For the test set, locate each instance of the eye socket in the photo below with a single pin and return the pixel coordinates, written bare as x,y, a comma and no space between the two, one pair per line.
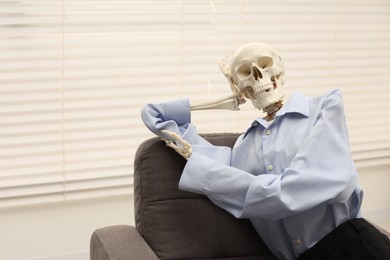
243,71
265,62
246,69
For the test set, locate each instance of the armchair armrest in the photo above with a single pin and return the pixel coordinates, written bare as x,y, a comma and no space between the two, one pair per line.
119,243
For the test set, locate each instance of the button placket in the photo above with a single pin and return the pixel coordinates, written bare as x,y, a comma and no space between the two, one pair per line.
268,165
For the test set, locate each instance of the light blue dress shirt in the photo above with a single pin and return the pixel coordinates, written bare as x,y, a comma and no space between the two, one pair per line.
294,178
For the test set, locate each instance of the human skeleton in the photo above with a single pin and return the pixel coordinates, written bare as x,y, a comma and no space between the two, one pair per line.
254,71
276,182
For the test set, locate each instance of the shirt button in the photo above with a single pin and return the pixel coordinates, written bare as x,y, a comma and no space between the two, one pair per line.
270,167
298,242
268,132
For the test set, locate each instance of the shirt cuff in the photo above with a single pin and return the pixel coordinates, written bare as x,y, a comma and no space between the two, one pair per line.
194,176
178,111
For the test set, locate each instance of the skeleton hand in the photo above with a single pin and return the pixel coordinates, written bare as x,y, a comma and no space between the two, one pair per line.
184,149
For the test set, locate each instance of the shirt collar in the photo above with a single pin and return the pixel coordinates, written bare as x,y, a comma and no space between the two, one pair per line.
298,103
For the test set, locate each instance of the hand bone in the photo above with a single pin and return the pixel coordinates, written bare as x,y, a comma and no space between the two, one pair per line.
184,148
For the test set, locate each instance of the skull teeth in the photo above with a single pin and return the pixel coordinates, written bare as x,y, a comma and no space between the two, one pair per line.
261,90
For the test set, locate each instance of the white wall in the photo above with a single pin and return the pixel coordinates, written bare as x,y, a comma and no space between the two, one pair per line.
59,229
62,231
376,203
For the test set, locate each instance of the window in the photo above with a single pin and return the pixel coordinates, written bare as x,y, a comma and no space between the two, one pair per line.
75,74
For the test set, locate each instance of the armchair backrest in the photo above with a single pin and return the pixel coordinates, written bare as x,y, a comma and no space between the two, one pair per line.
182,225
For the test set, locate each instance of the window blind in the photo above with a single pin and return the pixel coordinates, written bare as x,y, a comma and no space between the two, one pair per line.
75,74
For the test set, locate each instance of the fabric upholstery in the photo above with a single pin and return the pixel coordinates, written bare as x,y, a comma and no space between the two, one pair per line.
183,225
119,243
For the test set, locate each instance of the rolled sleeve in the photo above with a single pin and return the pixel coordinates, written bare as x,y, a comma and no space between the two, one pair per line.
178,111
174,116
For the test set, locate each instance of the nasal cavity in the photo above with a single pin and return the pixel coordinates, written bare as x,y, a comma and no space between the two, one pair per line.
256,73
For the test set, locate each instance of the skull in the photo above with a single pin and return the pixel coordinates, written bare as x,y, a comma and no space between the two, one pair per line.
257,72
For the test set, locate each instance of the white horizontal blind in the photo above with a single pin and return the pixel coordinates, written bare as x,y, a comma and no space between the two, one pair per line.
75,74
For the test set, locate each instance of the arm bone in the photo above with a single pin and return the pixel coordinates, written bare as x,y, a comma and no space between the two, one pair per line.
230,102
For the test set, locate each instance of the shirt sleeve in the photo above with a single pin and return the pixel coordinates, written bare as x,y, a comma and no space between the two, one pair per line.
306,183
175,116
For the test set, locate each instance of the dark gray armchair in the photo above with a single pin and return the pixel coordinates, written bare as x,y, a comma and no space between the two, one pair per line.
173,224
